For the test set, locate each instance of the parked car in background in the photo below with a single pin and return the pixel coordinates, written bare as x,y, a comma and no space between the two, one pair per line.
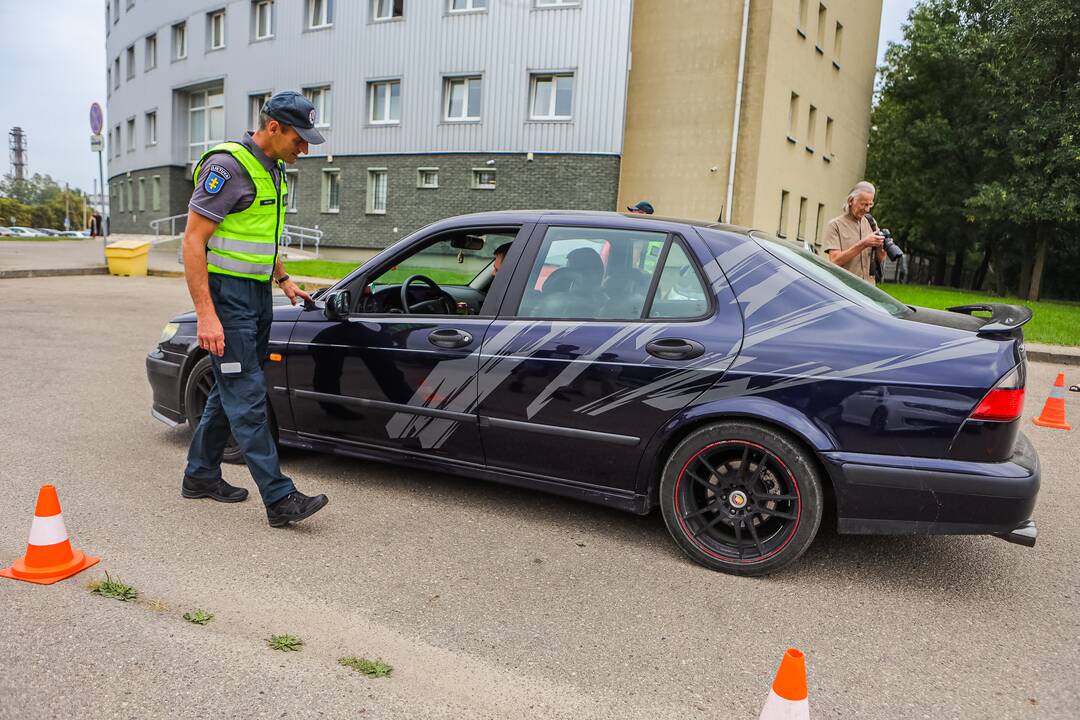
70,234
736,382
17,231
5,231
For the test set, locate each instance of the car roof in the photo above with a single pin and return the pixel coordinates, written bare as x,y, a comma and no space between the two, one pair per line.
611,219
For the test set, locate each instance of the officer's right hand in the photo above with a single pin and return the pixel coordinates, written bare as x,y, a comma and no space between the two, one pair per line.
873,240
211,335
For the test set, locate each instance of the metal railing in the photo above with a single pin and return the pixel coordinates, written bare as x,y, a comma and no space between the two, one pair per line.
177,223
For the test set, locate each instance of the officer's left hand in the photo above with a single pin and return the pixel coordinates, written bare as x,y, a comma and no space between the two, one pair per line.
293,291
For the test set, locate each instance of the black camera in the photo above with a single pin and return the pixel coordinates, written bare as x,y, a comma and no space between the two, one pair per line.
891,248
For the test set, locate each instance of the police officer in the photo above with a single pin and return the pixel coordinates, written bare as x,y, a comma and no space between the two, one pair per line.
235,219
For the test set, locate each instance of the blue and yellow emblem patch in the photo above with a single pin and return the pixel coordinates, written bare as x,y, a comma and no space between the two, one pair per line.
213,183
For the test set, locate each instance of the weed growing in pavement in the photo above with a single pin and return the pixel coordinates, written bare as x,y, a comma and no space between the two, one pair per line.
113,589
156,604
371,668
199,617
285,642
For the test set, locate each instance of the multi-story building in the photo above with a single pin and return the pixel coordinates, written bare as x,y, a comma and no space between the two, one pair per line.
438,107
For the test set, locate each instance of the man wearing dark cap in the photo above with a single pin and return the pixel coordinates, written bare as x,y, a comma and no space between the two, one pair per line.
642,208
235,219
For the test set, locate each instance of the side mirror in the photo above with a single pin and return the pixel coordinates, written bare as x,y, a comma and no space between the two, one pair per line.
338,305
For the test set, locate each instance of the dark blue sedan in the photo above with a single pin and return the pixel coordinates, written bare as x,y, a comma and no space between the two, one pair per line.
735,381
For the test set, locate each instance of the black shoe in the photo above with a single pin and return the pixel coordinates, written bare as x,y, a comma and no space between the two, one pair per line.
216,489
293,508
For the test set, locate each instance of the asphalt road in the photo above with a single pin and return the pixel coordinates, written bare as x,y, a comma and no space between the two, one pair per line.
488,601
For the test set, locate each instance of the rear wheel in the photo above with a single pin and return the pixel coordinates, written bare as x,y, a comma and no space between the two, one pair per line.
741,498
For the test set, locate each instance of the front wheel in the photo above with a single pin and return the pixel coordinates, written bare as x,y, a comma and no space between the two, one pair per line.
200,382
741,498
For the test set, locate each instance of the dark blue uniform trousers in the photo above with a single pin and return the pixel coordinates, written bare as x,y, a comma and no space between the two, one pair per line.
238,400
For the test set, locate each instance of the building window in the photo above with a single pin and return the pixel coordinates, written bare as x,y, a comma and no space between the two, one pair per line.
384,98
802,219
116,73
118,193
116,150
821,18
151,128
462,99
320,98
557,3
292,177
811,129
320,14
781,231
155,192
376,191
467,5
130,62
427,178
130,195
838,44
552,96
108,81
216,29
115,11
108,15
263,19
151,53
130,4
255,106
206,121
803,16
387,9
819,226
828,155
483,179
142,194
331,183
793,117
179,41
131,135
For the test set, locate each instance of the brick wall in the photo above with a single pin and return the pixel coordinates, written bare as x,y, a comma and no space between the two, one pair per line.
175,191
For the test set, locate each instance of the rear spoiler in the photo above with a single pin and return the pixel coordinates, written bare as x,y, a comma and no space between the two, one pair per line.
1003,318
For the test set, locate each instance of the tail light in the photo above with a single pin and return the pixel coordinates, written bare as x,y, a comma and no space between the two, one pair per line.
1005,402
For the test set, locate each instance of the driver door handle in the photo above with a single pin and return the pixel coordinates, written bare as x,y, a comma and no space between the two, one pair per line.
675,349
449,338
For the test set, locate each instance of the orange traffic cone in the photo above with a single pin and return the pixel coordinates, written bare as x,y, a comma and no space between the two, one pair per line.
1053,412
49,556
788,697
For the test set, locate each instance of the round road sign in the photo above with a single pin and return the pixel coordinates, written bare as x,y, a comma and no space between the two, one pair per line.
97,121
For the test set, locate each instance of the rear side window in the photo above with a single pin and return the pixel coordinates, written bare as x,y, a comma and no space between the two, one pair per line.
608,274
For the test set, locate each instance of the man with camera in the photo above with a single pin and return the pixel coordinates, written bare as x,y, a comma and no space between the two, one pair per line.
852,240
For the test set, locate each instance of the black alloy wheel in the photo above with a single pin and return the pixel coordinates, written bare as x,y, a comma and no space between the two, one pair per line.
741,498
200,383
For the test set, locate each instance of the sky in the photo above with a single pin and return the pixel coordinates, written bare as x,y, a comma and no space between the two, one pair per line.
53,55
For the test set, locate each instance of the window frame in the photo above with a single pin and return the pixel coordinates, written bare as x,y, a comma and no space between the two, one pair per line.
150,127
377,18
292,202
130,127
329,177
369,203
470,10
475,183
420,185
324,107
179,49
327,15
150,52
206,107
255,7
785,198
467,79
555,4
212,18
534,79
129,58
389,82
155,193
253,111
141,195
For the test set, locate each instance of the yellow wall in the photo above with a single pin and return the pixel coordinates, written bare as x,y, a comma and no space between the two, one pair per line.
682,96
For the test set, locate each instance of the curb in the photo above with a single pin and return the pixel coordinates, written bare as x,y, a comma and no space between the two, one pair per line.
1057,358
53,272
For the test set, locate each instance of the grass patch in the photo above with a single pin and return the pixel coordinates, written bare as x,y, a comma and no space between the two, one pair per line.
285,642
371,668
337,270
199,617
1055,323
113,589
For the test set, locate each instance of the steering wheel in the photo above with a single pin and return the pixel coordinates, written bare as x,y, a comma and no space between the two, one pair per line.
443,304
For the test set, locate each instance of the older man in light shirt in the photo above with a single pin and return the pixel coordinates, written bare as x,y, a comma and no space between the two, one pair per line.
850,241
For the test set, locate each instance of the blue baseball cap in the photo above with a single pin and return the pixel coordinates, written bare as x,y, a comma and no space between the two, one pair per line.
291,108
644,206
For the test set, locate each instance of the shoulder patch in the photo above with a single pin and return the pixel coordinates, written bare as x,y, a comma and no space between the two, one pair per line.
214,182
225,174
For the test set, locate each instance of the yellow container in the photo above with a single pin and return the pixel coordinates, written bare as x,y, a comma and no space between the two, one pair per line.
128,257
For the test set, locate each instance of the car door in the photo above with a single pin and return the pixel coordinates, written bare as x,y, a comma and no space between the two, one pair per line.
605,333
390,380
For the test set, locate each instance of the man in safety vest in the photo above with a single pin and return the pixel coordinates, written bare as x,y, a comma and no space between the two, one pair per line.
235,218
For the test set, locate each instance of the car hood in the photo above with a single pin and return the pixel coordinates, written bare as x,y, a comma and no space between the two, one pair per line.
283,310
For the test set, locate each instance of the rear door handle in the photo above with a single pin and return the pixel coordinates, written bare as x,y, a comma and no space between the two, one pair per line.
675,349
449,338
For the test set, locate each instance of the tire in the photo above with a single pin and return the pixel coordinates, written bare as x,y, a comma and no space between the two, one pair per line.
743,525
199,384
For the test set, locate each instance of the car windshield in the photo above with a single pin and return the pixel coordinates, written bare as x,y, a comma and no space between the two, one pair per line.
833,277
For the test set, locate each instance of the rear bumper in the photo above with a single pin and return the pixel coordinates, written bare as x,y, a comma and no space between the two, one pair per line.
881,494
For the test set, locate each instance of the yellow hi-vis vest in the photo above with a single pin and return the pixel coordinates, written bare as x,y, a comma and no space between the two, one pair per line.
245,242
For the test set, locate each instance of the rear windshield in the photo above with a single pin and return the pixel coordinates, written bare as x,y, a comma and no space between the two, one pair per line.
833,277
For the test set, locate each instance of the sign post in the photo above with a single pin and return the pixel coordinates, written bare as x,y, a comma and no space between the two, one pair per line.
97,144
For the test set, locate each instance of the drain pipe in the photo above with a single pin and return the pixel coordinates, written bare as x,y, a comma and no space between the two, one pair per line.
738,111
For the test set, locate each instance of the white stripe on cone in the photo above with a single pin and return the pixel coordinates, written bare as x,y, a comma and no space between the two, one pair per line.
777,708
48,530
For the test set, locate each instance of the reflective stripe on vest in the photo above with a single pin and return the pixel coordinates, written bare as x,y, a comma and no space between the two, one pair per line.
245,241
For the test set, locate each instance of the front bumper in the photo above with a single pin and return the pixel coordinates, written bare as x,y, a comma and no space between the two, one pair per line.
165,373
881,494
